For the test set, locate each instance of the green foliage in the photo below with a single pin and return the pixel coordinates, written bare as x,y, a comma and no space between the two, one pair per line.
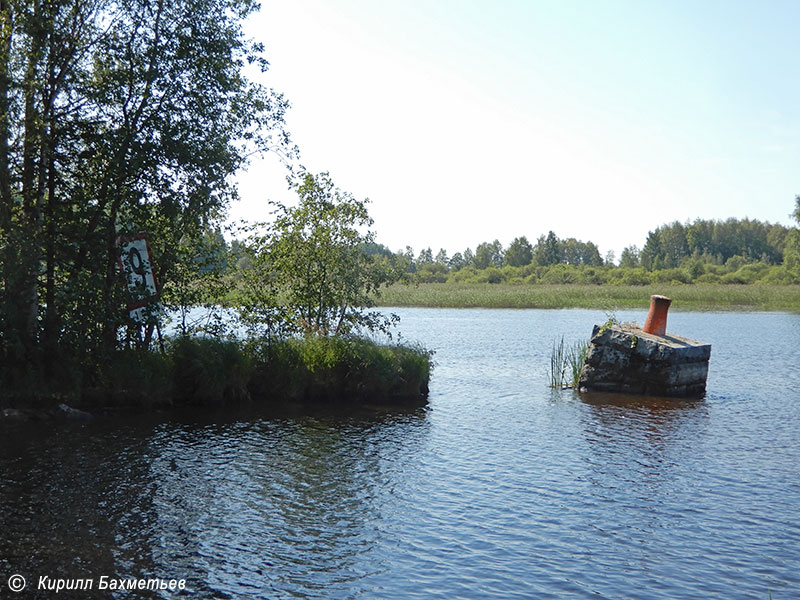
310,272
197,279
566,362
574,252
519,253
685,297
673,253
488,255
215,373
132,378
629,258
209,372
714,241
115,118
792,255
559,274
425,257
432,272
547,250
339,369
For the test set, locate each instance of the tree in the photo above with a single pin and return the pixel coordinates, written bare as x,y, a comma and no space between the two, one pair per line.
425,257
457,262
629,257
115,117
469,257
407,258
699,238
489,254
591,255
313,258
714,241
650,256
796,212
519,253
792,248
547,251
674,249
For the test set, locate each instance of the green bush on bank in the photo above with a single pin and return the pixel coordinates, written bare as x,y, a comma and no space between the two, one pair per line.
734,272
341,369
214,373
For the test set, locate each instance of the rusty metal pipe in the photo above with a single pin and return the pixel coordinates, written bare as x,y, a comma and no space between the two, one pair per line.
656,323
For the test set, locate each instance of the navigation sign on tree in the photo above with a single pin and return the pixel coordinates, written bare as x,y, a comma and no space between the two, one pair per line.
136,263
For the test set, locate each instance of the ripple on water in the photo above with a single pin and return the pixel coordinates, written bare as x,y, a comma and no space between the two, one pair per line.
501,488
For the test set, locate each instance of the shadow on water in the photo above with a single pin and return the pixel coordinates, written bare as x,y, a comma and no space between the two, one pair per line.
637,453
67,492
262,507
643,437
276,506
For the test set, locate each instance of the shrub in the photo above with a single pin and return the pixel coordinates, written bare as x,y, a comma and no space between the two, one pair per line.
592,276
560,274
752,272
670,276
709,278
733,278
493,275
778,274
637,276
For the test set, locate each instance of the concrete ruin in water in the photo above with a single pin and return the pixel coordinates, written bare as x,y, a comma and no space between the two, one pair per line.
646,361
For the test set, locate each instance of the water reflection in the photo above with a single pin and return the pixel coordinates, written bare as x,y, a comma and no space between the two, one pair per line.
635,441
61,496
636,453
500,488
273,508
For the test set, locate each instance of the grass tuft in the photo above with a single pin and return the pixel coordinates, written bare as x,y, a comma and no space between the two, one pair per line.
566,362
348,370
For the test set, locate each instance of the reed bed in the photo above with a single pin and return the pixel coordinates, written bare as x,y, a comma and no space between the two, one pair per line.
685,297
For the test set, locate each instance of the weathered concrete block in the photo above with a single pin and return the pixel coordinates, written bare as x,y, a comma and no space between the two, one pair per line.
625,359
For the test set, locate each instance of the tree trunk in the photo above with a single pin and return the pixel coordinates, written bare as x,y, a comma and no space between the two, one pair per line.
5,81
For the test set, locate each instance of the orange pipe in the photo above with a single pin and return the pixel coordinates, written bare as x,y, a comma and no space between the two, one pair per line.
656,322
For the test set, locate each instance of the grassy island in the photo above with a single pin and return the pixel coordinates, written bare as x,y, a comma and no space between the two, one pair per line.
205,372
294,333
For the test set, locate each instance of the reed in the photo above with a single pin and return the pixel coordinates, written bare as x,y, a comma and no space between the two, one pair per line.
566,362
606,297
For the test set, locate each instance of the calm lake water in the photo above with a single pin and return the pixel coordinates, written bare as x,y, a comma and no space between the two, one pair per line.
499,488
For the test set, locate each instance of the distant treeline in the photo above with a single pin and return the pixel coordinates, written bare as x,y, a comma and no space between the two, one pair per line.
705,251
734,251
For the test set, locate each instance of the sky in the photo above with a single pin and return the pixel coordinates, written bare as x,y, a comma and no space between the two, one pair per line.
466,121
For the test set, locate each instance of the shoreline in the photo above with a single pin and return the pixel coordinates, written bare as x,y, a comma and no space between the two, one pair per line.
202,373
686,297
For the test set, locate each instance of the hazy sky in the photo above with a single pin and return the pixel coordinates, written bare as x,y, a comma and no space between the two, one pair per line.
469,121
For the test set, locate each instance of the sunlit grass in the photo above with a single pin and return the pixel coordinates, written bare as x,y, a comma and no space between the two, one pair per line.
606,297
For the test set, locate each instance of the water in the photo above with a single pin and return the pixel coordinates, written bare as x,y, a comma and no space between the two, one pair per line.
499,488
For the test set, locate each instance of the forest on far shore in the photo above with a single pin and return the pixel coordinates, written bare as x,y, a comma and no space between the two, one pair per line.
733,251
